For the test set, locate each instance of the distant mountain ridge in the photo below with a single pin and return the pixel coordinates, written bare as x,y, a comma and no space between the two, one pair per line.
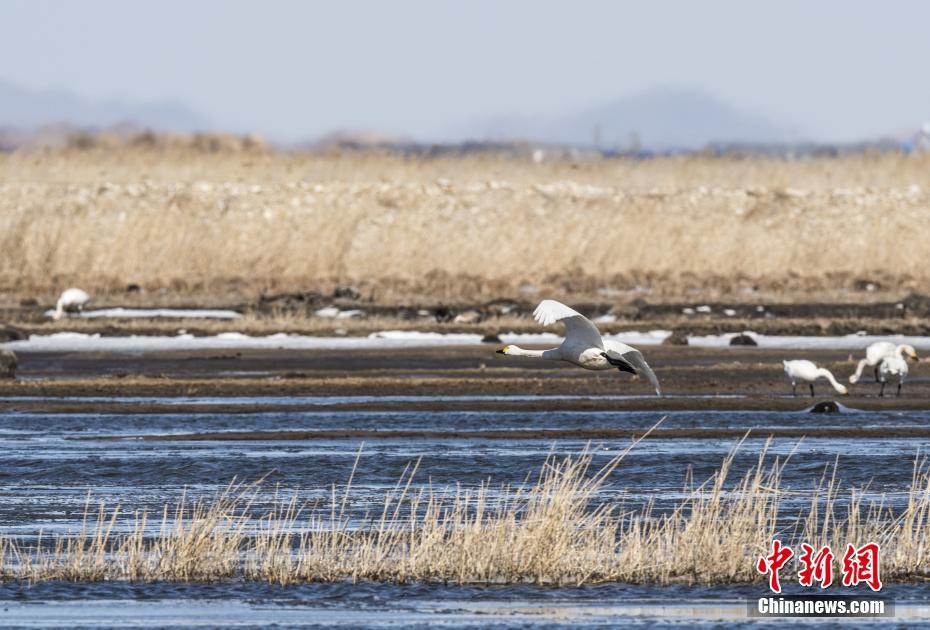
655,119
23,108
660,118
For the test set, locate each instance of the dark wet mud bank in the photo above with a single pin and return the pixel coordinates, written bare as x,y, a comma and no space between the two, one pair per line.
554,434
658,406
692,378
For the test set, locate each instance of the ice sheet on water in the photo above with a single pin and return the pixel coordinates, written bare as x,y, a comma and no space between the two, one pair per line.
170,313
82,342
797,342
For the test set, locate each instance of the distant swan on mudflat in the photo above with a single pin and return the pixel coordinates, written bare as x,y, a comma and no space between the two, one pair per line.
878,352
807,371
71,301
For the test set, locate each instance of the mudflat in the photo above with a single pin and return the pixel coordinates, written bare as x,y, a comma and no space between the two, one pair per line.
692,379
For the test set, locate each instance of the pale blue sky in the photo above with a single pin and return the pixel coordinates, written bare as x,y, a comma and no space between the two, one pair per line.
839,70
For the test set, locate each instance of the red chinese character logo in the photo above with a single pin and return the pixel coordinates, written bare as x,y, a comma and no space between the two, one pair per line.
861,565
817,567
773,562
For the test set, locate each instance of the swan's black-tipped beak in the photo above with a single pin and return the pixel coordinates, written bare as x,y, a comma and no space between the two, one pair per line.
501,351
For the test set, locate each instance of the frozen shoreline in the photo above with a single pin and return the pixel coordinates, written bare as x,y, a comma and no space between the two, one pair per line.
82,342
165,313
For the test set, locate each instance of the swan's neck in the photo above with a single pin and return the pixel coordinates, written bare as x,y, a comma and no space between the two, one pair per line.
827,375
517,351
859,369
59,310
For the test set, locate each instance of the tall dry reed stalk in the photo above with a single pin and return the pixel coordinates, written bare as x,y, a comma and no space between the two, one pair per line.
552,530
192,221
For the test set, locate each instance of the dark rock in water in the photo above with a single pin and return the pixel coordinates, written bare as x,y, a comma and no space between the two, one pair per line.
443,314
743,340
347,292
9,333
132,287
26,302
7,364
826,406
491,339
677,338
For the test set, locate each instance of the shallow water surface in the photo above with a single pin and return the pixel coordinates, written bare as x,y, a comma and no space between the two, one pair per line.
51,461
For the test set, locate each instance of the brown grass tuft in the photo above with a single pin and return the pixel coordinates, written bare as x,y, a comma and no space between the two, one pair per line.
548,531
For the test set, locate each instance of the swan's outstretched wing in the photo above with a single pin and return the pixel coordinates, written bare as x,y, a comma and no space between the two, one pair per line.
578,328
635,358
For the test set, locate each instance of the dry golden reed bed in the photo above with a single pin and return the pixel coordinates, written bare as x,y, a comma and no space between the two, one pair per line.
167,215
551,531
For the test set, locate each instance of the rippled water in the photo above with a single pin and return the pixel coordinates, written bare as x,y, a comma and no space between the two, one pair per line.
49,463
377,605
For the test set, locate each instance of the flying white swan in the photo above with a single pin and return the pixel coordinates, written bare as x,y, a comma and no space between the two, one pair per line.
876,353
584,345
71,301
893,366
807,371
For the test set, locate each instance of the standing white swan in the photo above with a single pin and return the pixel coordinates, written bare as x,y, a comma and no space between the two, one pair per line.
71,301
876,353
584,345
807,371
893,366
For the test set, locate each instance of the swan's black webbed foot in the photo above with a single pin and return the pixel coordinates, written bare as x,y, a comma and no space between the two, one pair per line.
619,363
